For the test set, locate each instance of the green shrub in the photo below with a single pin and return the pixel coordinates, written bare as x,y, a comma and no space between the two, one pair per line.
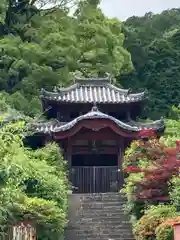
174,190
164,232
32,185
133,207
145,228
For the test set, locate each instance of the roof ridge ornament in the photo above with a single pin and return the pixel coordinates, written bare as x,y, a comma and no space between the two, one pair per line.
129,91
106,78
55,89
94,108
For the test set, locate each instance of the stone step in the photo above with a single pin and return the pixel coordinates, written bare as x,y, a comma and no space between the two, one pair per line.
107,205
102,219
91,222
103,201
99,210
95,227
100,197
102,238
102,235
100,230
105,226
101,214
102,207
74,237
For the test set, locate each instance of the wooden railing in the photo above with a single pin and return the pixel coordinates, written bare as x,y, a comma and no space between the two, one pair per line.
22,231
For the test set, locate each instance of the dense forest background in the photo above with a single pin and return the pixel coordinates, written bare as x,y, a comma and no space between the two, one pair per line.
154,43
43,48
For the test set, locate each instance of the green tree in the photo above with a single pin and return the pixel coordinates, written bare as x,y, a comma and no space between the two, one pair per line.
153,43
53,46
101,42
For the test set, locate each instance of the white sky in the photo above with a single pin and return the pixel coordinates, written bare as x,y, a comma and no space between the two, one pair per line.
123,9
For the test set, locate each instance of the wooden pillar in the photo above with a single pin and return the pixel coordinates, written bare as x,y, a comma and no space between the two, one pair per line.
69,158
120,152
69,153
120,162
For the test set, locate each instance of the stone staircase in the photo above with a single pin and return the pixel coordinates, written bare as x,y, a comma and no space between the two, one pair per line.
98,216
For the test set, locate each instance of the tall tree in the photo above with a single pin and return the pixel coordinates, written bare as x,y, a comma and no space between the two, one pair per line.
153,43
100,40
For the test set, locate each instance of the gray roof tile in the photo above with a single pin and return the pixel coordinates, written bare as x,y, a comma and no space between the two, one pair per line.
52,127
92,90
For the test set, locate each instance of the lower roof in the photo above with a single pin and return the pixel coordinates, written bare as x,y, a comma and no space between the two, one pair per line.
54,126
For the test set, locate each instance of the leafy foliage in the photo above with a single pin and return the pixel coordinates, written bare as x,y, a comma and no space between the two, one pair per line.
162,165
174,192
165,230
44,48
30,186
145,228
148,163
152,41
101,42
172,132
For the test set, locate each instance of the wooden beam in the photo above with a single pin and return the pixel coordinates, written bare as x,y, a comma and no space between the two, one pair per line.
94,136
79,150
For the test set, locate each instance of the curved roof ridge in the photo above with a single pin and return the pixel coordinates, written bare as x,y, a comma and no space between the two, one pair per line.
126,91
95,115
47,93
76,85
122,90
156,122
66,89
127,126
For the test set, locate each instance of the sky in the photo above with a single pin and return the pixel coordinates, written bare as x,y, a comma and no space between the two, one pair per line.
123,9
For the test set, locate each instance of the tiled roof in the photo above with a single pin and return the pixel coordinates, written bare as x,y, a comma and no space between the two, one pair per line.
92,90
52,127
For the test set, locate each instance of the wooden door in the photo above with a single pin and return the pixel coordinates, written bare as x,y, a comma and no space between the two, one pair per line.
96,179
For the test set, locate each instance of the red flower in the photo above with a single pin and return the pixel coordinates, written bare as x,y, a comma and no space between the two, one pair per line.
178,143
163,163
132,169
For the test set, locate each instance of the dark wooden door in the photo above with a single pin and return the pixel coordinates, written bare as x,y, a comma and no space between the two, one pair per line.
96,179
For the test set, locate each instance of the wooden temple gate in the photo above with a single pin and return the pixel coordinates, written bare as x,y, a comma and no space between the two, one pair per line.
94,179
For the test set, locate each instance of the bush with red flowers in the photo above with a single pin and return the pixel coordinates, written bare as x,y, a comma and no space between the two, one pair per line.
149,166
162,165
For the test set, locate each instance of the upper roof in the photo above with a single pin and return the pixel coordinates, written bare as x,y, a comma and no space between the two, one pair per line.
90,90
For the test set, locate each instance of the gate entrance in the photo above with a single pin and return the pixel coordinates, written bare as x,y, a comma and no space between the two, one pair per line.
95,173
